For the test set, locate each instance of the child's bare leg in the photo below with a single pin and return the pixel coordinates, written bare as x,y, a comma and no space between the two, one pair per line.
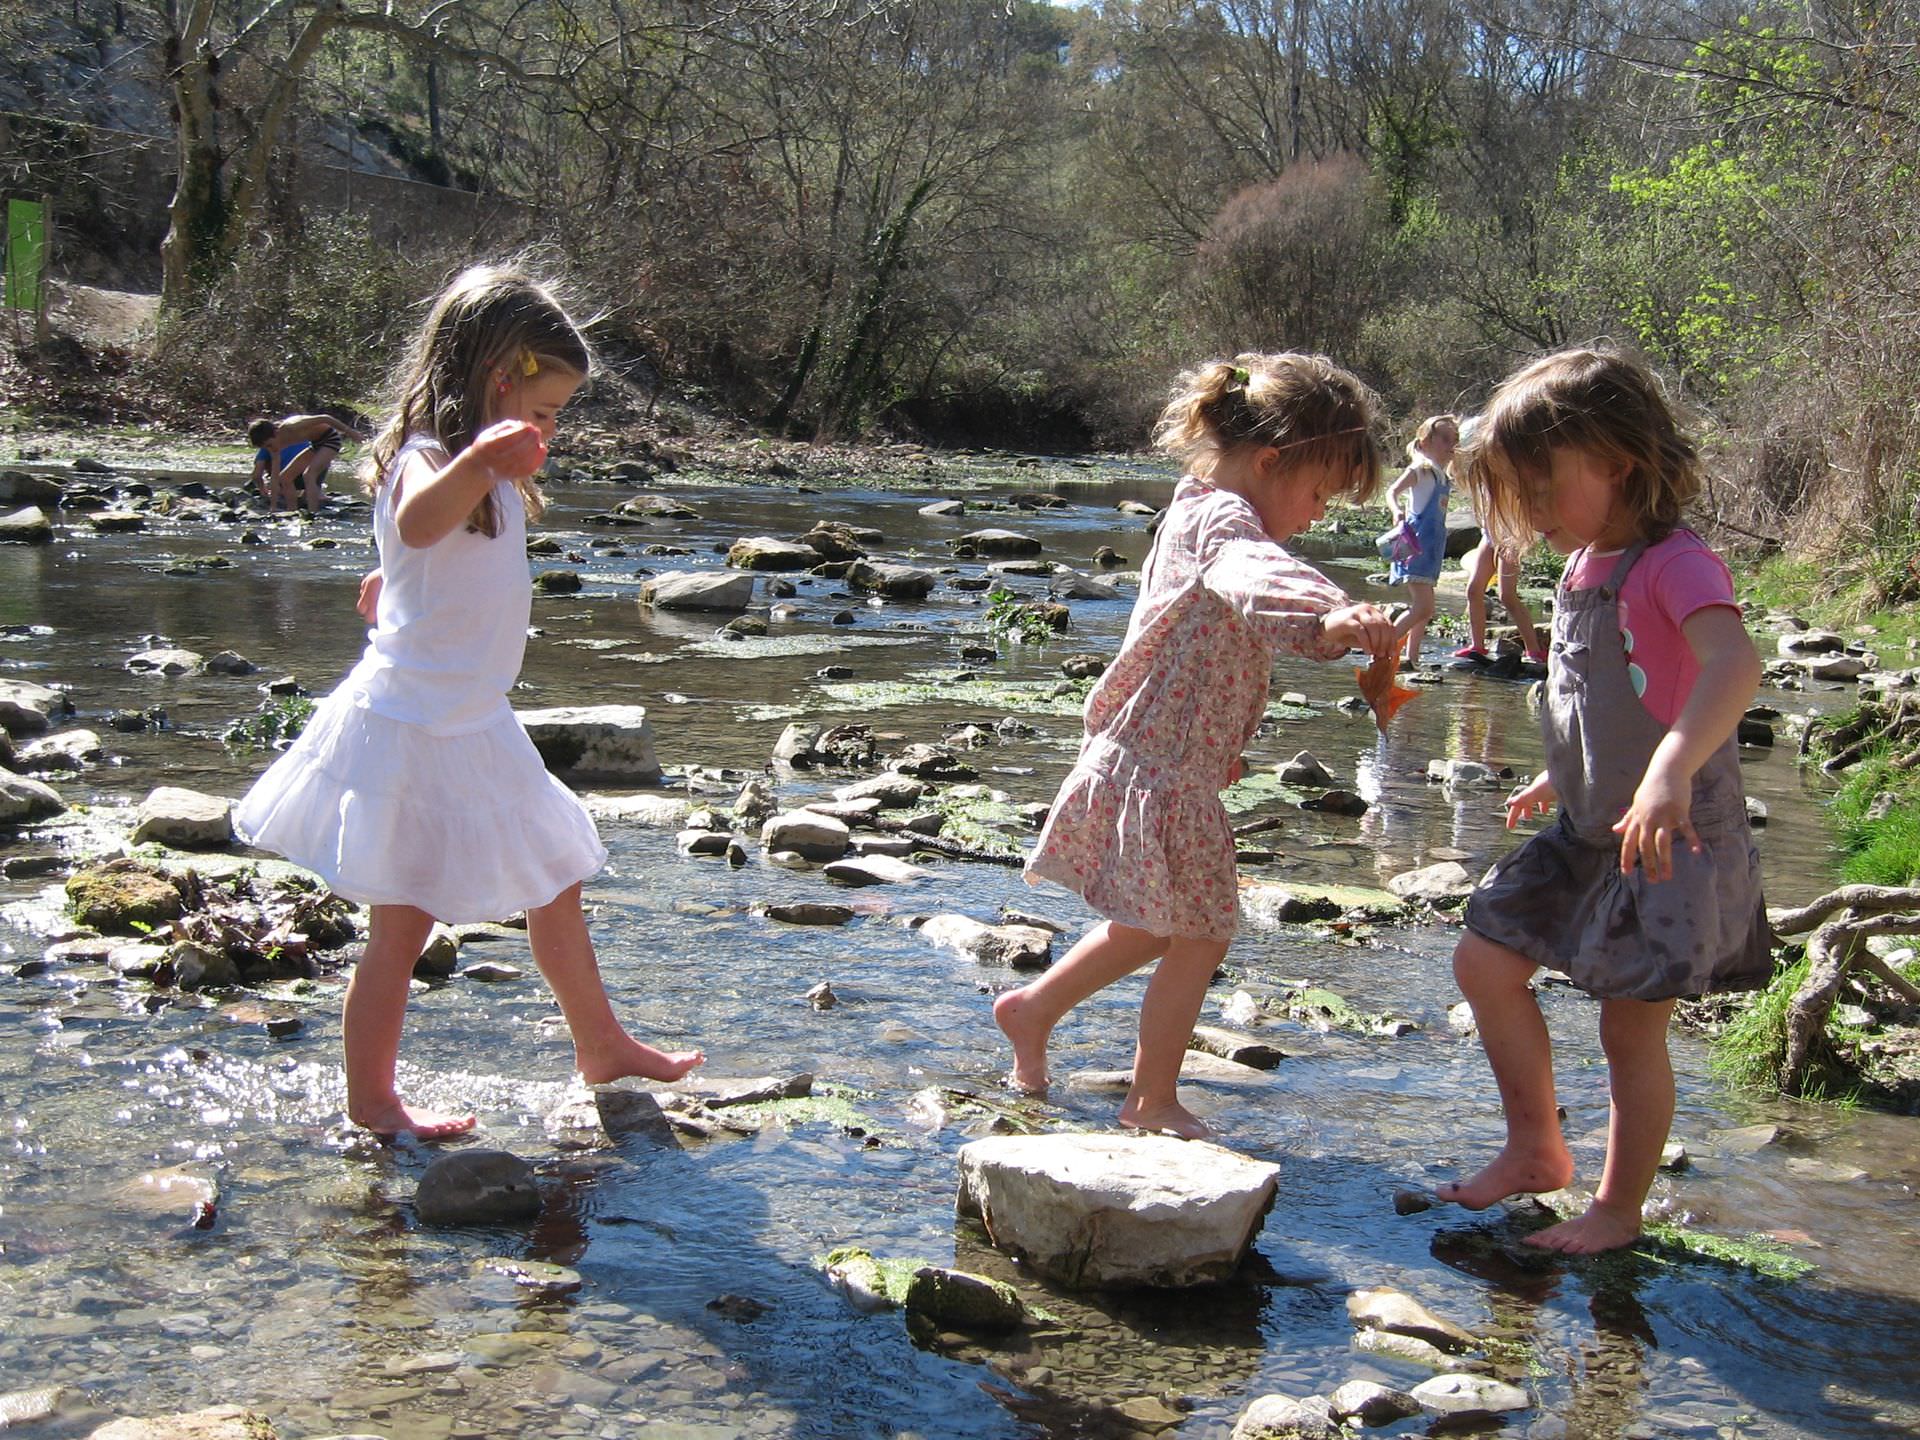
602,1049
1103,955
1477,576
1421,592
1167,1013
1517,610
1495,981
1640,1084
376,1009
313,480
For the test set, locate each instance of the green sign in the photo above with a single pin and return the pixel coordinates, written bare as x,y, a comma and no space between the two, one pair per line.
26,253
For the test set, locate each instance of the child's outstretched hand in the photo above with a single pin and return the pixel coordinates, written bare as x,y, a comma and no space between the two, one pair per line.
1360,627
1536,797
1660,813
511,449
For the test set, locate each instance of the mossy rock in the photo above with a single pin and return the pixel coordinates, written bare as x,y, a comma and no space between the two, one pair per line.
868,1278
960,1300
123,898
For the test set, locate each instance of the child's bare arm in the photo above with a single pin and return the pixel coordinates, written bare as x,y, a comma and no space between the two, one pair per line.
434,502
1729,674
1400,488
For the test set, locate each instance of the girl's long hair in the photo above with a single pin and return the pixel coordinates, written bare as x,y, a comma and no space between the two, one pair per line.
1598,401
492,323
1305,405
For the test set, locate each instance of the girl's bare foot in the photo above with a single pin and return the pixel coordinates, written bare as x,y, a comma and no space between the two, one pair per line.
1601,1228
1029,1041
1173,1119
1513,1172
619,1060
394,1118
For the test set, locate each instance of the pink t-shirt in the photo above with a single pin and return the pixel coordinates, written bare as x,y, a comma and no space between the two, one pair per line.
1676,577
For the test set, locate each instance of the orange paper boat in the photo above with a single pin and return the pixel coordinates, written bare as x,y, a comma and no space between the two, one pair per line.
1380,687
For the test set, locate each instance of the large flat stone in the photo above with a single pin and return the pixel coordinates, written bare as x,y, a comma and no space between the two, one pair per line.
1117,1211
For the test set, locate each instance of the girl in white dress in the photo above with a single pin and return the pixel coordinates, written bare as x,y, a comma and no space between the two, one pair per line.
413,788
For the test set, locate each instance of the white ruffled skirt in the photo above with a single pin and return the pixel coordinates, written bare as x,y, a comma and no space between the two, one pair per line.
465,827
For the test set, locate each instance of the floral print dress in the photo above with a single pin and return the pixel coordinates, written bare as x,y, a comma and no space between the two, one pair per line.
1138,828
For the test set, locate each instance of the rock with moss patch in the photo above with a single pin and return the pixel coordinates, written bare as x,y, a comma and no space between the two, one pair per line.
123,897
960,1300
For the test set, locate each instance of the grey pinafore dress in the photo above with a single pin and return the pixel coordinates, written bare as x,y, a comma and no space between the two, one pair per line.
1560,899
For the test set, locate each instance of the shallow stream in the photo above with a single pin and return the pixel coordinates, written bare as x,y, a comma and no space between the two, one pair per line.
317,1298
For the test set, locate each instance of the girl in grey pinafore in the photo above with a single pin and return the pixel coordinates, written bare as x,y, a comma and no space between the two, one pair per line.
1561,899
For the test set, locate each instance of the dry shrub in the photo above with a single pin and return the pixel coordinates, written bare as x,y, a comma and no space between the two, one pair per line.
304,320
1290,263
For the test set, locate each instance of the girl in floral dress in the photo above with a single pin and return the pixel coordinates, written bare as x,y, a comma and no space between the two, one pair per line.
1138,828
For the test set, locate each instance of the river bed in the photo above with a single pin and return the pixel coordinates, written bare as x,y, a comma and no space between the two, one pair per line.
317,1298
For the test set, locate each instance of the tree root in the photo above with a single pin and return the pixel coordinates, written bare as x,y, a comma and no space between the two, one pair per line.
1836,952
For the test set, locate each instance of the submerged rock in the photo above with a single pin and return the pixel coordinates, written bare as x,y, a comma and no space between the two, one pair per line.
1379,1308
1469,1395
164,661
1114,1211
959,1300
476,1187
220,1422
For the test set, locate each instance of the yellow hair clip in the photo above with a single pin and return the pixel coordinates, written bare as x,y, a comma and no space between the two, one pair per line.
529,366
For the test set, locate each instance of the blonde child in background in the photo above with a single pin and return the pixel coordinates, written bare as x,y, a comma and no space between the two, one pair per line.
1647,887
1485,561
1419,497
414,789
1138,828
